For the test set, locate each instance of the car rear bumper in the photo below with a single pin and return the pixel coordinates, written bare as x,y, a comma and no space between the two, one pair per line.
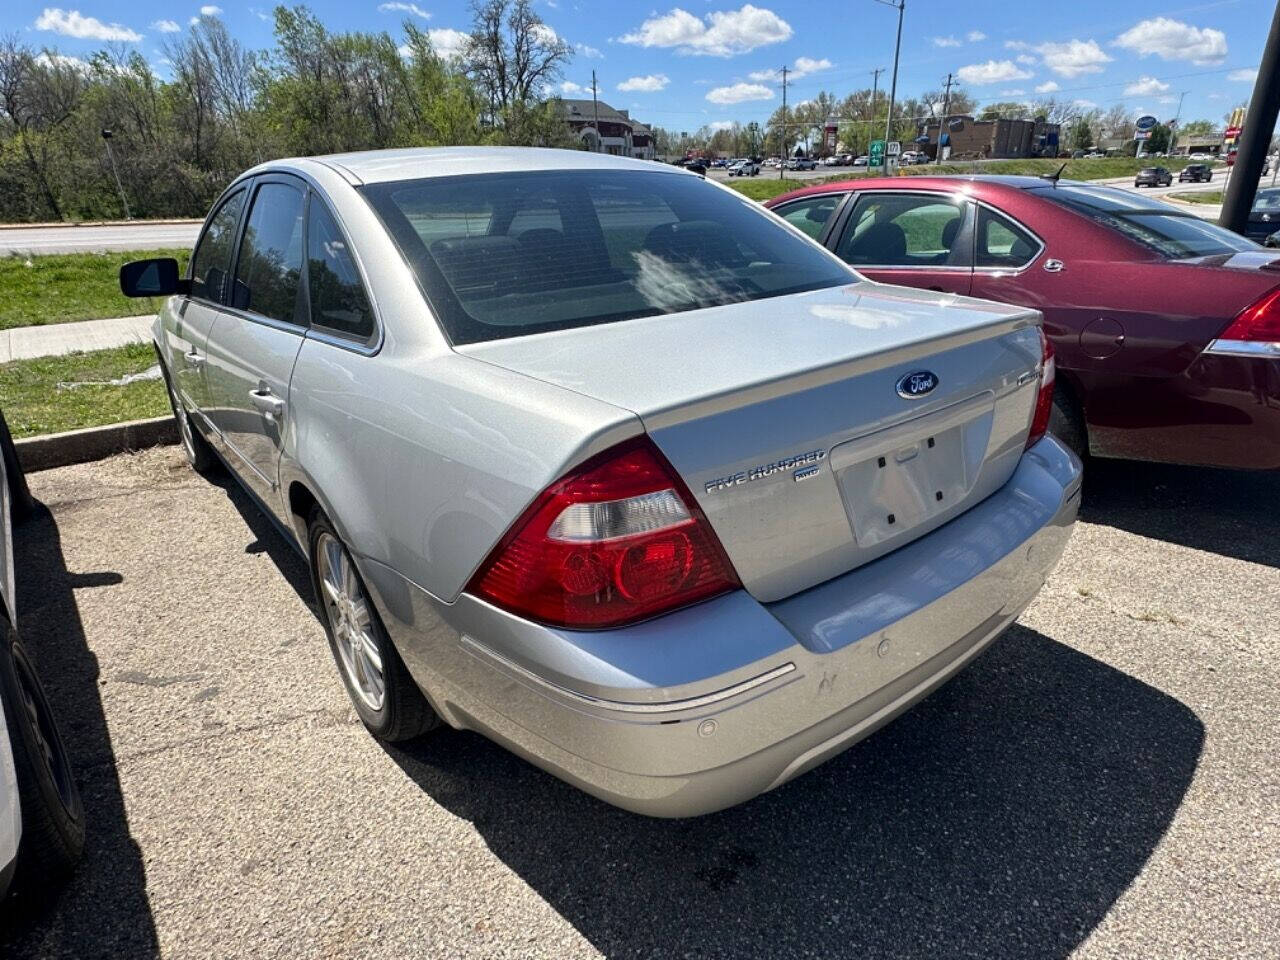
711,705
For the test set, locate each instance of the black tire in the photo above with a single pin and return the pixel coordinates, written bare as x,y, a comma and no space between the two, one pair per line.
21,504
1066,422
194,446
405,712
52,811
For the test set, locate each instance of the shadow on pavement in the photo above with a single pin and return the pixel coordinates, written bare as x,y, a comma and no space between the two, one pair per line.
1001,817
1228,512
104,910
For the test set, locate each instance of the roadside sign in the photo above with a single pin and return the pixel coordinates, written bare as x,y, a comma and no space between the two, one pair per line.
1142,135
876,156
1145,122
894,148
1230,133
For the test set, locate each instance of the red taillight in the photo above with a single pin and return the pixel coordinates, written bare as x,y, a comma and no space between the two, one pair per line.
1258,321
1044,399
618,539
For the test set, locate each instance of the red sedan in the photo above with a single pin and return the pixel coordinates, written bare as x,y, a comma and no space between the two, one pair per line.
1166,326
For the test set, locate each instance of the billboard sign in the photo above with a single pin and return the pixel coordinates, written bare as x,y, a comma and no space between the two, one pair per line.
1145,122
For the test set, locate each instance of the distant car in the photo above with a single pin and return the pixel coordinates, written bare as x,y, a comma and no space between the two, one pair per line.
1195,173
697,165
1198,156
744,168
801,163
1264,217
1273,240
1153,177
861,161
831,161
41,813
1095,155
1165,324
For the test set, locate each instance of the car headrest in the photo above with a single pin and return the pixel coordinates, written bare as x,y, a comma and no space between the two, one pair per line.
881,243
949,232
472,261
703,240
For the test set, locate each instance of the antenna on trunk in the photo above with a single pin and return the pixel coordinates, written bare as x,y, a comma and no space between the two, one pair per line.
1055,176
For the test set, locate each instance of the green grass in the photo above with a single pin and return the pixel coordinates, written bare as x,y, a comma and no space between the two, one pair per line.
1209,196
62,287
34,403
768,185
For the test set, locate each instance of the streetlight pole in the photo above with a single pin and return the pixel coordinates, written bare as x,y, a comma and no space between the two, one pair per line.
1177,131
595,106
901,5
106,138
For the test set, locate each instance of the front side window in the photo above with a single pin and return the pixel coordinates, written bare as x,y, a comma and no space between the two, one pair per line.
212,257
810,214
269,268
1002,243
903,230
1159,227
504,255
338,300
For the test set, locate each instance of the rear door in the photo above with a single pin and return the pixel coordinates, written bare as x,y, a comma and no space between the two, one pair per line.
255,340
187,321
912,238
814,214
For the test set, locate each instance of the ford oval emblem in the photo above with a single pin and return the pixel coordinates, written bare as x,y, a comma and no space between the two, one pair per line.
915,385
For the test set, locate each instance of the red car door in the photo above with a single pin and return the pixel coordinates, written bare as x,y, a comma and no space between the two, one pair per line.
913,238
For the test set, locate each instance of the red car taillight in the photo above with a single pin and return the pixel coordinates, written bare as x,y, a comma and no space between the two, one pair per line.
1258,321
1044,399
616,540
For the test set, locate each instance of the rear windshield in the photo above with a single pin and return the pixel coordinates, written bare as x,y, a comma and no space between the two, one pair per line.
503,255
1170,232
1267,201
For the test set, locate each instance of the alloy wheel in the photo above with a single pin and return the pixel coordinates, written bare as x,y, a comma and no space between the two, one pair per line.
351,621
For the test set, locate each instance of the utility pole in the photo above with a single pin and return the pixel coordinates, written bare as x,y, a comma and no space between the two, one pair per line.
1255,135
106,138
900,5
875,82
782,169
946,105
595,106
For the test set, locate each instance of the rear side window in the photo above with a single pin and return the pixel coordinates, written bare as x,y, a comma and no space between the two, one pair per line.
903,230
809,214
212,257
338,300
1002,243
269,268
510,254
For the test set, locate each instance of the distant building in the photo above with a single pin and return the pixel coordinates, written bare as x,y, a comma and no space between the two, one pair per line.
1210,143
1001,139
618,133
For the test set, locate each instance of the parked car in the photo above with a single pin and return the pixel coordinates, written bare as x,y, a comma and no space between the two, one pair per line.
744,168
1264,215
861,161
1153,177
1164,324
801,163
1195,173
435,369
41,813
1273,240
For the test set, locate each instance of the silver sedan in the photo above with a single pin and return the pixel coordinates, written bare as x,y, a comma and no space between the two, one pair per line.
606,462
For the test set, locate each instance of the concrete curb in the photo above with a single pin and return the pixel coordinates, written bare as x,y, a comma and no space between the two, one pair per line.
94,443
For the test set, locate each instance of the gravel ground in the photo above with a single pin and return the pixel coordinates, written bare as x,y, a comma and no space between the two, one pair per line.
1101,783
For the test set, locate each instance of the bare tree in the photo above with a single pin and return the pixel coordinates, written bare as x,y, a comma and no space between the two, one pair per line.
512,55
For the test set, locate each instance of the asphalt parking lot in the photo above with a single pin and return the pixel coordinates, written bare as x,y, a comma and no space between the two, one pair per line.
1101,783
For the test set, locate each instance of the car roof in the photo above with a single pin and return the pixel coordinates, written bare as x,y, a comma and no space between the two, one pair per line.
924,182
380,166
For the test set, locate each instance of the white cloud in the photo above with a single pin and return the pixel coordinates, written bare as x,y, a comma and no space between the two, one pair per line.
165,26
1174,40
209,10
1026,58
650,83
59,60
1016,45
1084,104
448,43
413,8
72,23
573,89
721,124
993,71
765,76
1049,86
545,33
589,51
946,42
1015,92
1145,87
975,36
739,93
1073,58
719,34
807,65
193,21
1243,76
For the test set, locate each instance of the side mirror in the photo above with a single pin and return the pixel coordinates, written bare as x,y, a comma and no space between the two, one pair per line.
152,278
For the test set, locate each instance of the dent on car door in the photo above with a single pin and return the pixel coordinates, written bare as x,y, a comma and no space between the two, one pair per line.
256,337
188,320
913,239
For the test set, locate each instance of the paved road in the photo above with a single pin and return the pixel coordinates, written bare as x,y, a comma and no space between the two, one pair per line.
1101,783
141,235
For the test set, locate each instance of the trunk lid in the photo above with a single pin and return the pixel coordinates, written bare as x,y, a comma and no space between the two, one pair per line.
795,421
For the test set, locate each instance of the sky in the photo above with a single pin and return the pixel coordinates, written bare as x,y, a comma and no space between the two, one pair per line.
714,62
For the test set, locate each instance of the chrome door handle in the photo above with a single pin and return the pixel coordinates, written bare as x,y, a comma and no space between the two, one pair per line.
267,402
193,359
1053,266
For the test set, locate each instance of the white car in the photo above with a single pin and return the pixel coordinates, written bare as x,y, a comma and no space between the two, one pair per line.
861,161
41,814
744,168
